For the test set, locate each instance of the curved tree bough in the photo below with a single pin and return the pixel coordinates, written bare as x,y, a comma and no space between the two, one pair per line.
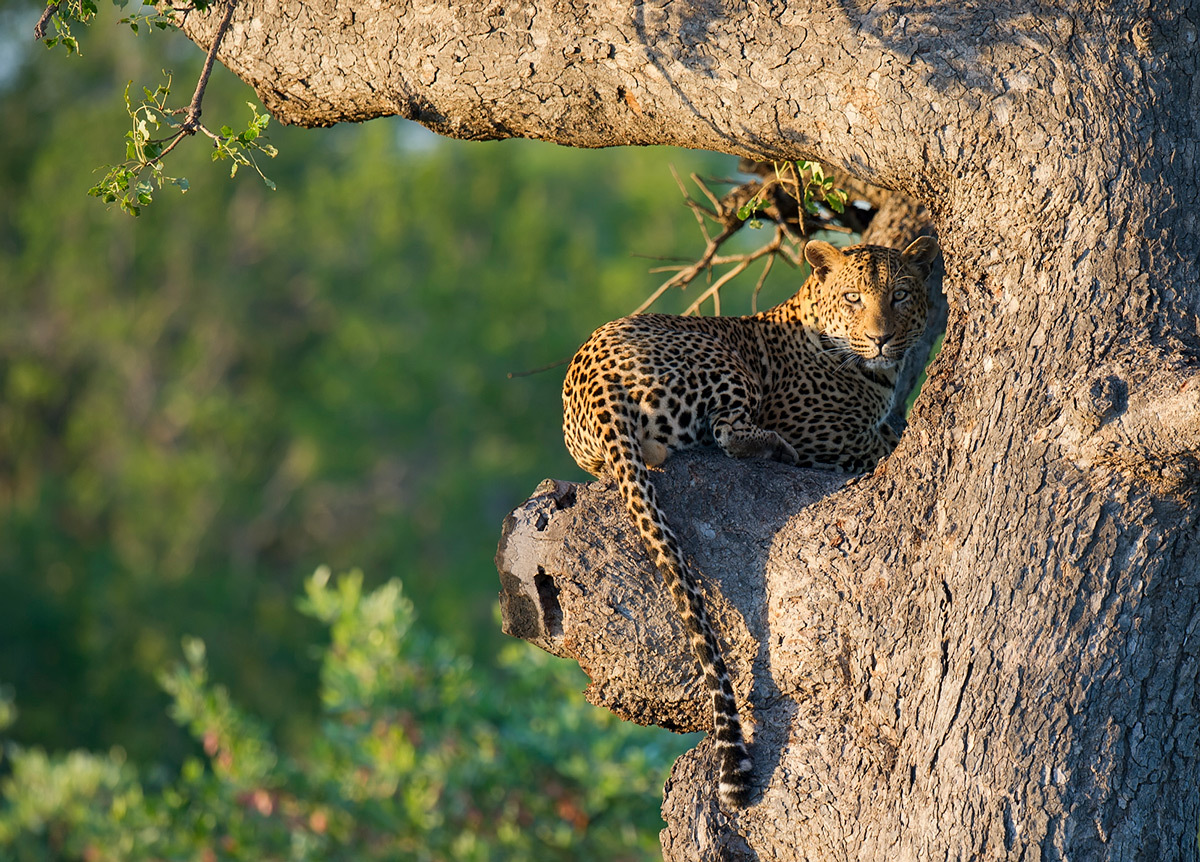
987,648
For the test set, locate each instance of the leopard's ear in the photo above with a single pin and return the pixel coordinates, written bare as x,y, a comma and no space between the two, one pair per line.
920,254
823,257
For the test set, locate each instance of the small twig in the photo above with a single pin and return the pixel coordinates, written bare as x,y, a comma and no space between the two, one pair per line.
685,275
670,257
776,194
191,123
711,197
514,374
743,261
762,278
39,29
653,298
716,286
698,211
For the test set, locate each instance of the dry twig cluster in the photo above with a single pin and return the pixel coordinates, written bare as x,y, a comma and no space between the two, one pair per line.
784,194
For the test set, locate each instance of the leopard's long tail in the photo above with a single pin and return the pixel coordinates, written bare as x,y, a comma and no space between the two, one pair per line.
624,456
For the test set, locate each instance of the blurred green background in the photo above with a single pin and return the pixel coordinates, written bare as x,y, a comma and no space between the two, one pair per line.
200,406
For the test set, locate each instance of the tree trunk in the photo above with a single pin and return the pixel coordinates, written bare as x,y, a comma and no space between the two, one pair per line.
987,647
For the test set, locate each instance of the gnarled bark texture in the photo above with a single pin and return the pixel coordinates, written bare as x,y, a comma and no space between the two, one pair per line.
988,647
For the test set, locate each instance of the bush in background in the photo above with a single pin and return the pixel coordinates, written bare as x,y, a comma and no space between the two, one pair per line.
419,755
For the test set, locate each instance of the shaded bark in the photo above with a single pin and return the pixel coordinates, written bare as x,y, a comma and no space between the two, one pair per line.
986,648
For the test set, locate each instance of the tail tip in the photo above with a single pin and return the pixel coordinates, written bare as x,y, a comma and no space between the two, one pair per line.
735,794
735,788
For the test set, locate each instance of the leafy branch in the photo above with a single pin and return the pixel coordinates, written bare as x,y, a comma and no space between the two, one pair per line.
62,14
799,198
131,184
160,16
806,182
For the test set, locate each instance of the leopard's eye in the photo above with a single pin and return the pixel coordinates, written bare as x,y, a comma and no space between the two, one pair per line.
852,297
899,295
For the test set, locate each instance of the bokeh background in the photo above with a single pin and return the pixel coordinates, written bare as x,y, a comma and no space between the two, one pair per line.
201,406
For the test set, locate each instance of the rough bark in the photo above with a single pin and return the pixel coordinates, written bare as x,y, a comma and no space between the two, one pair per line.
987,648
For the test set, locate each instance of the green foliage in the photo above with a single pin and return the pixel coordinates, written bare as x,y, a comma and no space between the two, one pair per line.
66,13
131,183
240,147
198,405
155,17
419,756
8,710
819,188
804,181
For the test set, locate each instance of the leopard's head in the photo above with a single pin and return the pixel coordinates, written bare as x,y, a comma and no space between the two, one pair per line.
870,301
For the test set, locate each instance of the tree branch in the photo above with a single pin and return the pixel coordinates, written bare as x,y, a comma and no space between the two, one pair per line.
771,200
603,605
618,75
191,122
39,29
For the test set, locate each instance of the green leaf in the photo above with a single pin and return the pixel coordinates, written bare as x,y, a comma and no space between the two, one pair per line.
194,651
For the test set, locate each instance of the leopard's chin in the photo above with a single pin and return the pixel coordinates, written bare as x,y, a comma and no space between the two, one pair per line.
880,363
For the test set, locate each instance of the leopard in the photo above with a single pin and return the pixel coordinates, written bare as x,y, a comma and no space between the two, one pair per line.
809,383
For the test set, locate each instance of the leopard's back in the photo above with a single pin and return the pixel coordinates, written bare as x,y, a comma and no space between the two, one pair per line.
666,374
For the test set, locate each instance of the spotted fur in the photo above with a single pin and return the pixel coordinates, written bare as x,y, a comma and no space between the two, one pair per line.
808,382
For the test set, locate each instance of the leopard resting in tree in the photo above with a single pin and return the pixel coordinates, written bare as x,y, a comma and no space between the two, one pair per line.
808,382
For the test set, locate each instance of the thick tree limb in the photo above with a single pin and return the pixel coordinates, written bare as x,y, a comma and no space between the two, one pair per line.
601,603
852,669
817,77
